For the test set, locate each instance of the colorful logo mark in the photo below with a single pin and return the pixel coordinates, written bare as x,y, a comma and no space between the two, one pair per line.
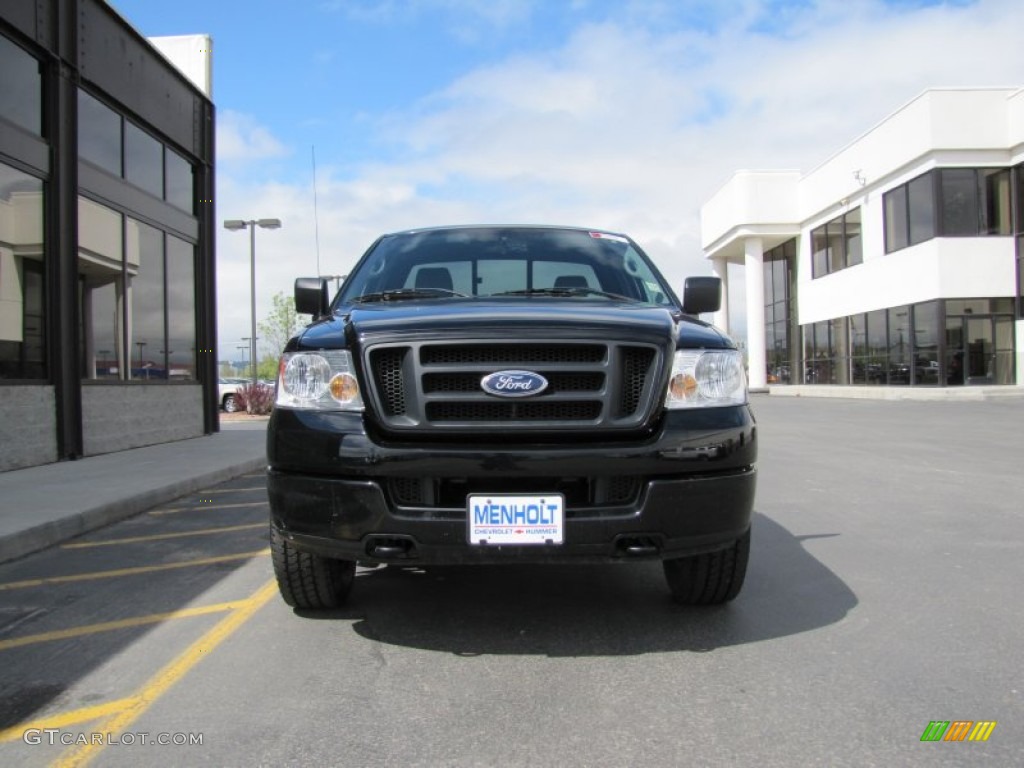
958,730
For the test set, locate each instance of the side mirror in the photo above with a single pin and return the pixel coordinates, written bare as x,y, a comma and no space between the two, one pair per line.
311,296
702,294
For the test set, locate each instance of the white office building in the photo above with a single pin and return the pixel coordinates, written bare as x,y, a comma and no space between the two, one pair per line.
896,262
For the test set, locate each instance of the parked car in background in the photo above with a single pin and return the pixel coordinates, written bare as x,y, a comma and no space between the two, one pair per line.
226,389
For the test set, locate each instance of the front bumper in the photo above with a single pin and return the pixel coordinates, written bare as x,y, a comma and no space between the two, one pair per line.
329,490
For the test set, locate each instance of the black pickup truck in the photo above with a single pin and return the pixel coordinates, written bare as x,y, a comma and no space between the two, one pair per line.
509,394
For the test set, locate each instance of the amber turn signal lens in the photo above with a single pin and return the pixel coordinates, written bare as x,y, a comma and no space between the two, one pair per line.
682,386
344,387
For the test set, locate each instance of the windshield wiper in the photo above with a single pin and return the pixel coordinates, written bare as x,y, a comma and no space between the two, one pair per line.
399,294
577,291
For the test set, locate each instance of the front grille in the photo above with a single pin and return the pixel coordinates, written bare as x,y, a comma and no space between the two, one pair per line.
470,382
387,372
621,489
423,386
581,493
636,362
511,354
410,491
560,410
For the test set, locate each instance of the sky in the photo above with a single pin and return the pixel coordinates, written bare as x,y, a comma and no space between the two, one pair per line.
622,115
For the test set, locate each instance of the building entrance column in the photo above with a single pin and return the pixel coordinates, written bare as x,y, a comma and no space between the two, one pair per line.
720,269
757,369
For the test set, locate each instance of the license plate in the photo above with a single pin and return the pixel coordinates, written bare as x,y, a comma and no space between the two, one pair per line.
498,518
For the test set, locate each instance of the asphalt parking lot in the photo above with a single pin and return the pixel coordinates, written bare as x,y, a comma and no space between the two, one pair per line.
882,595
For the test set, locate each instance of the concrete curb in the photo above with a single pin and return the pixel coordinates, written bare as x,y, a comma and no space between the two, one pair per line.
931,394
25,542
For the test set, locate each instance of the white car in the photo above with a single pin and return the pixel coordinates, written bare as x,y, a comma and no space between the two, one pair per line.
226,393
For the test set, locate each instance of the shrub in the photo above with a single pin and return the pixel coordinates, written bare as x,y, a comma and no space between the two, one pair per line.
257,399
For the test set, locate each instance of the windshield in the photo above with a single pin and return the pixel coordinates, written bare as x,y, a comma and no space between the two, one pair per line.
505,261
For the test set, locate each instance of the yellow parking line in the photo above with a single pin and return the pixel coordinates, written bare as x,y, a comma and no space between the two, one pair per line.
205,507
162,681
130,571
109,626
63,720
162,536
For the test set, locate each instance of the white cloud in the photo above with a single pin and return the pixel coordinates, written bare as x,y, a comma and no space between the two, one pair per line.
466,17
241,138
627,127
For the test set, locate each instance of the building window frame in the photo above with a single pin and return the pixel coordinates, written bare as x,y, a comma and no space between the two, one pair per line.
910,219
832,244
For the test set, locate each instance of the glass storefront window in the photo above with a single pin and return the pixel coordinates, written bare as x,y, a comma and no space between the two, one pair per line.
144,261
926,343
858,349
1020,277
921,208
179,180
780,280
137,293
181,309
1004,346
995,190
854,244
959,192
971,342
899,345
836,245
819,252
143,160
101,291
99,134
21,87
1018,183
895,205
877,348
22,306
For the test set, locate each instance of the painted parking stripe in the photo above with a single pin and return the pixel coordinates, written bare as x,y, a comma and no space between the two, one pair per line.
65,719
207,507
163,680
163,536
130,571
110,626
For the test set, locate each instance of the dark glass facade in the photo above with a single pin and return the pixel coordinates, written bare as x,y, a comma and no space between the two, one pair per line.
106,254
21,87
837,244
779,312
22,270
949,202
935,343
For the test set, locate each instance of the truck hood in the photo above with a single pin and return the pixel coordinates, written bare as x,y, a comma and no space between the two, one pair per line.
508,318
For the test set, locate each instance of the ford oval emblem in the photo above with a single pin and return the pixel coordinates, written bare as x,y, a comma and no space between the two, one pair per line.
513,383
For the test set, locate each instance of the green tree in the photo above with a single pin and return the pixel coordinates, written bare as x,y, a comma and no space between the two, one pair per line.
266,369
280,324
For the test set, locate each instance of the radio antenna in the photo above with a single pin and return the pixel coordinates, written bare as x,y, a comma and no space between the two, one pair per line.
316,220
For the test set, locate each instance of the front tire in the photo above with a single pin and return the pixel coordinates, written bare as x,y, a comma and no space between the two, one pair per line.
307,580
712,578
230,404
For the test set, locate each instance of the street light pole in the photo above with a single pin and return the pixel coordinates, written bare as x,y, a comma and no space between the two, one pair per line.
235,225
252,284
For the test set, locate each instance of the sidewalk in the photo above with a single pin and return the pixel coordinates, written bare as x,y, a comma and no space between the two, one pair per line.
45,505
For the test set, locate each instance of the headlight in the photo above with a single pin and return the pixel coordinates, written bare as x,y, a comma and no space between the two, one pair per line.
322,381
706,379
